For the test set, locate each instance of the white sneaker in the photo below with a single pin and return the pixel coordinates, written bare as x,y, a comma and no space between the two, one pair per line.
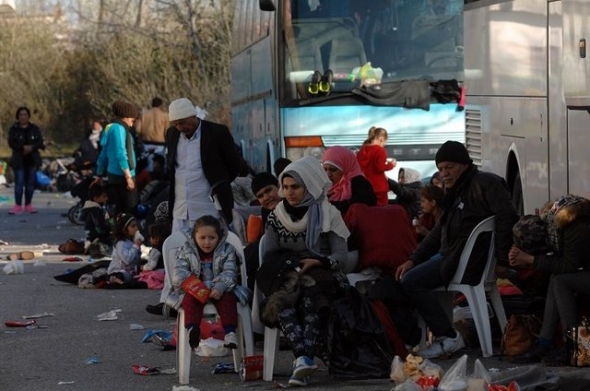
294,381
230,341
303,367
443,346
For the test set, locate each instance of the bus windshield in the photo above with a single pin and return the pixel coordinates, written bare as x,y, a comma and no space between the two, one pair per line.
401,39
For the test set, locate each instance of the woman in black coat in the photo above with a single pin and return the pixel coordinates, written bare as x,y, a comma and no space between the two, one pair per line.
25,140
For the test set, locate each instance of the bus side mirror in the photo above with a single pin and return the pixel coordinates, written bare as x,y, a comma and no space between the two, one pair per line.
267,5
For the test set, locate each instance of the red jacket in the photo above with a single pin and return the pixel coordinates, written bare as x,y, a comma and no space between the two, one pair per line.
373,162
383,235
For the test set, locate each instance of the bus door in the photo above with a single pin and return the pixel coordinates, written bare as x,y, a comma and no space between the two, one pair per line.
578,134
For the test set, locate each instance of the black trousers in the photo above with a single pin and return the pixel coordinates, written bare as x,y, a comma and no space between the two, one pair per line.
125,200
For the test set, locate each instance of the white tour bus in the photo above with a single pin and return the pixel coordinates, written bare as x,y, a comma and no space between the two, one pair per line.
296,63
527,76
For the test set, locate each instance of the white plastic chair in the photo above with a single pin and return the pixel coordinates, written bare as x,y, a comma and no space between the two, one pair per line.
244,330
271,335
476,295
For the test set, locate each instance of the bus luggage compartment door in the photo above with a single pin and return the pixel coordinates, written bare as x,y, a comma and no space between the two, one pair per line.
578,133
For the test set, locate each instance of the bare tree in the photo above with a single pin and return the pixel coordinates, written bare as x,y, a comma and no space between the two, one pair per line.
70,72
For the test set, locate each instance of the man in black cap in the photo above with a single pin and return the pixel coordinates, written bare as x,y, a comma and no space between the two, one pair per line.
471,196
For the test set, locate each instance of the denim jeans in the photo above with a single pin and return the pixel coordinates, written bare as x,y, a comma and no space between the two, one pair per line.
25,179
419,284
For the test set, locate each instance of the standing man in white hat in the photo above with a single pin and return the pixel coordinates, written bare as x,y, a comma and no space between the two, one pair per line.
201,160
201,157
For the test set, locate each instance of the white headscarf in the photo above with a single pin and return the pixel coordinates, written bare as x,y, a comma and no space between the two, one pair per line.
411,175
322,216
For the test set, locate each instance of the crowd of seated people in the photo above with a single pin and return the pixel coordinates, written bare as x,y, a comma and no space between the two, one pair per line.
458,197
320,213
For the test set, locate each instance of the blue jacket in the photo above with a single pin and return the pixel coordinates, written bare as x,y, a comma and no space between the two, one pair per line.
114,156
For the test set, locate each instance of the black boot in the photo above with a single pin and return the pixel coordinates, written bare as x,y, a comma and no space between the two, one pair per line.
194,336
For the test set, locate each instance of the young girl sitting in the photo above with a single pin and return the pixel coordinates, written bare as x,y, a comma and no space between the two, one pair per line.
126,253
430,200
207,255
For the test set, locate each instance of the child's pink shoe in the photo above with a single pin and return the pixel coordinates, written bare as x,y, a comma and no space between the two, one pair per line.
29,209
16,210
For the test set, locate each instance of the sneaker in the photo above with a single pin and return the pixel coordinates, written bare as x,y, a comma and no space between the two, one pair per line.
295,381
194,337
15,210
158,309
230,341
155,309
29,209
303,367
443,346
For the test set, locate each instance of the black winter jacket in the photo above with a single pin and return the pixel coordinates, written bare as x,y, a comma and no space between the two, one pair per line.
95,223
574,237
19,137
219,159
362,193
476,196
408,196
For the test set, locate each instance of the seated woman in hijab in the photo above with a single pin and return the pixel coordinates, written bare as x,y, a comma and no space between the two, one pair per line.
349,185
305,243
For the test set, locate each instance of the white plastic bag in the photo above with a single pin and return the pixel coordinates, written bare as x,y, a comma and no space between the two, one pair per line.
212,347
480,377
397,371
456,377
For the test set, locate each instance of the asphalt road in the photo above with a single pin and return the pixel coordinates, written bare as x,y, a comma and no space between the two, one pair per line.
53,357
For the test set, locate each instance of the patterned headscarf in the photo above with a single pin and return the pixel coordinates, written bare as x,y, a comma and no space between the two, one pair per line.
344,160
552,227
161,212
530,234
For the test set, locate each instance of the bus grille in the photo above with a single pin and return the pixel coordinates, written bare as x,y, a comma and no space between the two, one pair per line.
473,135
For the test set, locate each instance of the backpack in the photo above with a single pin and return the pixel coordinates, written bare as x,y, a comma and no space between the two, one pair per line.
519,335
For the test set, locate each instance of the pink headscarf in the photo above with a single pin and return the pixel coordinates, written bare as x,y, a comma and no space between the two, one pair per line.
344,160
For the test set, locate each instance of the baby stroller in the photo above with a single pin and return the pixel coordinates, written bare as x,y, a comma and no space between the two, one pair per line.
81,192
